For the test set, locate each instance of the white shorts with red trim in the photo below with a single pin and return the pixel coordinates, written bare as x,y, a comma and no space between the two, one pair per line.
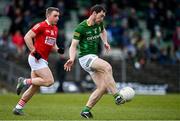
36,65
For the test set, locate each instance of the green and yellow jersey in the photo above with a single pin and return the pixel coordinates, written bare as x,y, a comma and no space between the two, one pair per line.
88,37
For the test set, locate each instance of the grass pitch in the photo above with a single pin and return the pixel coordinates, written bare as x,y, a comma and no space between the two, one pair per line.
68,107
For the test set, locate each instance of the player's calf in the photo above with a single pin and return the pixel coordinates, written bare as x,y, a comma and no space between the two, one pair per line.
48,83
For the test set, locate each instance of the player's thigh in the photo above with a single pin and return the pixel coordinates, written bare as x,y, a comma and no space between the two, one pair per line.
33,74
101,65
45,74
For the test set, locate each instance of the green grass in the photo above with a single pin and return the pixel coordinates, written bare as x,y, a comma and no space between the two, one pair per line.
68,107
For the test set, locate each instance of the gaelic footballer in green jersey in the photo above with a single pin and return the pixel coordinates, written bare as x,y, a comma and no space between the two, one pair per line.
86,37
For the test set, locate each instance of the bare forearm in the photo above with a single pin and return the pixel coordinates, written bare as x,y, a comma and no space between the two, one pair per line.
29,43
29,40
72,53
104,36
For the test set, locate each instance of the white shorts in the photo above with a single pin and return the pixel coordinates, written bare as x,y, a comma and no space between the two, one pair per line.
86,62
36,65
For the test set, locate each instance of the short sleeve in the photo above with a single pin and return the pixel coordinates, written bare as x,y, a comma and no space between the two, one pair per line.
77,33
37,28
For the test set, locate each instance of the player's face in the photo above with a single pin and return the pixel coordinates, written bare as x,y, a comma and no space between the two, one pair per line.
99,17
53,17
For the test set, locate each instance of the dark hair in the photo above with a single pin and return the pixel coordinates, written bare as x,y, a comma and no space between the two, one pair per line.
97,8
49,10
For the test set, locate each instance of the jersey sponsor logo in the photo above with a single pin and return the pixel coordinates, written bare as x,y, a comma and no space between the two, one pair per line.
95,30
36,26
50,41
93,37
76,34
88,32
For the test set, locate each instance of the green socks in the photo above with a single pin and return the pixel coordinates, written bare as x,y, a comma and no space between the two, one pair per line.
86,109
116,95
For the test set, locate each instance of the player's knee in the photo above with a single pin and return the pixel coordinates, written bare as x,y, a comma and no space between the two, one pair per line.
49,82
108,68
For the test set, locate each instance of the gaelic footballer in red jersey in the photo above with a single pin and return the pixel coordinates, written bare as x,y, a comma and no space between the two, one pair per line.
44,35
45,38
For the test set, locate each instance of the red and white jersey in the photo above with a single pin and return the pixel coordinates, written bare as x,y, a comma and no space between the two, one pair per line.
45,38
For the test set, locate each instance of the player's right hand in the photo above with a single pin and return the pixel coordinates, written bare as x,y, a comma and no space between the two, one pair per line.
37,55
107,47
68,65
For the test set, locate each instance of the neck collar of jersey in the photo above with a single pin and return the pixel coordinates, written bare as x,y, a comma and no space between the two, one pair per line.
87,23
47,22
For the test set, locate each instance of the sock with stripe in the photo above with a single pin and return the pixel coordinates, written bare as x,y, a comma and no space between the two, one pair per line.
20,104
27,82
116,95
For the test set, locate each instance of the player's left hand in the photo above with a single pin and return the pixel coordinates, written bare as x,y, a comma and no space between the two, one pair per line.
107,47
60,50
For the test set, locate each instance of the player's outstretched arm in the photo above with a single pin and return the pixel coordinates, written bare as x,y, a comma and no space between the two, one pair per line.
105,41
72,54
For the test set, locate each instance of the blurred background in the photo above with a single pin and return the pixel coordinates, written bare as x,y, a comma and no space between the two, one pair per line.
144,37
